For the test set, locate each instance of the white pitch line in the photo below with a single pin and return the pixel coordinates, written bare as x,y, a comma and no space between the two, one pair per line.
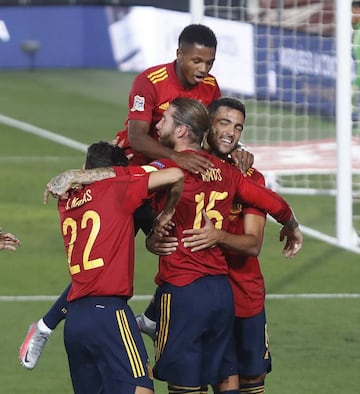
309,296
40,159
29,128
312,296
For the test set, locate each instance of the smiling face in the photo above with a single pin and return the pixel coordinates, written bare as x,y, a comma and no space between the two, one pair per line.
194,63
227,126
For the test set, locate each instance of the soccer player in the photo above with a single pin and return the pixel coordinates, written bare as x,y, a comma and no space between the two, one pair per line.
151,93
154,89
104,346
241,244
8,241
195,318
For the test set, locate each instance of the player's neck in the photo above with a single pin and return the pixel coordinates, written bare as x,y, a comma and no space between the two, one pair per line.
181,77
218,154
185,146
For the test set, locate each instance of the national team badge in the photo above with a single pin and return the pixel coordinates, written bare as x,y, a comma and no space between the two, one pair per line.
139,104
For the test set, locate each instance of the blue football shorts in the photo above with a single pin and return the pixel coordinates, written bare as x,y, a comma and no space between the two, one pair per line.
194,331
252,345
105,349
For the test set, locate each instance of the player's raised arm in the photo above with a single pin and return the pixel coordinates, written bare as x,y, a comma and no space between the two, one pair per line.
174,178
62,183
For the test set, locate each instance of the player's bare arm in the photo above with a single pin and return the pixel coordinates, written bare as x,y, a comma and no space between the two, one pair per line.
8,241
62,183
174,178
247,244
141,141
161,246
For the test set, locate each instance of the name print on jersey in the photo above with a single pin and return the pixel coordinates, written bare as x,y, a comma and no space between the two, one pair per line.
213,174
78,202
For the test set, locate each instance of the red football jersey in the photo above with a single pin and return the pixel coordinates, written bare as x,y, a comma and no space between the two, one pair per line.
245,273
213,192
96,223
151,94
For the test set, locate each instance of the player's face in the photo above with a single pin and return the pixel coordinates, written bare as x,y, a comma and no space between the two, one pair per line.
166,127
227,126
194,63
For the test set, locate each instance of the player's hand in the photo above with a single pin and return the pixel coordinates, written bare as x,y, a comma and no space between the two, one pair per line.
294,241
243,159
120,142
161,246
192,162
163,225
202,238
59,186
8,241
121,139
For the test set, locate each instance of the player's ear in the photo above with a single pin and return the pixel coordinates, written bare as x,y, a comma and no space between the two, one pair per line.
181,131
179,54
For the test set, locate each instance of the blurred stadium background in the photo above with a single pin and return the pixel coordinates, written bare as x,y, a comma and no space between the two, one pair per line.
65,73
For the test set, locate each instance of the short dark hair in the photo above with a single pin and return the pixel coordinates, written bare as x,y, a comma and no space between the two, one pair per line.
198,34
193,114
105,154
355,4
231,102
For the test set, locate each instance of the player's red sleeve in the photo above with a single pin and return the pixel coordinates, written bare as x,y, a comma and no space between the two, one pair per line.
142,99
257,177
217,92
263,198
129,170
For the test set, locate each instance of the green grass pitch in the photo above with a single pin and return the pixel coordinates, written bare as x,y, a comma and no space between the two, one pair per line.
314,341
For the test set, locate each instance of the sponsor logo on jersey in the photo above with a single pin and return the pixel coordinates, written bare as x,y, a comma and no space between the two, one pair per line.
138,104
158,75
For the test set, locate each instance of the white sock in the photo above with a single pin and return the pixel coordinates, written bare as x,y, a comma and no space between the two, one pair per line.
149,323
43,327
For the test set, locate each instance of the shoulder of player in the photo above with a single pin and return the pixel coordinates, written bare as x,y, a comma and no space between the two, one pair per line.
121,171
210,80
255,175
159,164
155,74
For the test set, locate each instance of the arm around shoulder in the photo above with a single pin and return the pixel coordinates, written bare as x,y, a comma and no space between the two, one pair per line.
166,177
